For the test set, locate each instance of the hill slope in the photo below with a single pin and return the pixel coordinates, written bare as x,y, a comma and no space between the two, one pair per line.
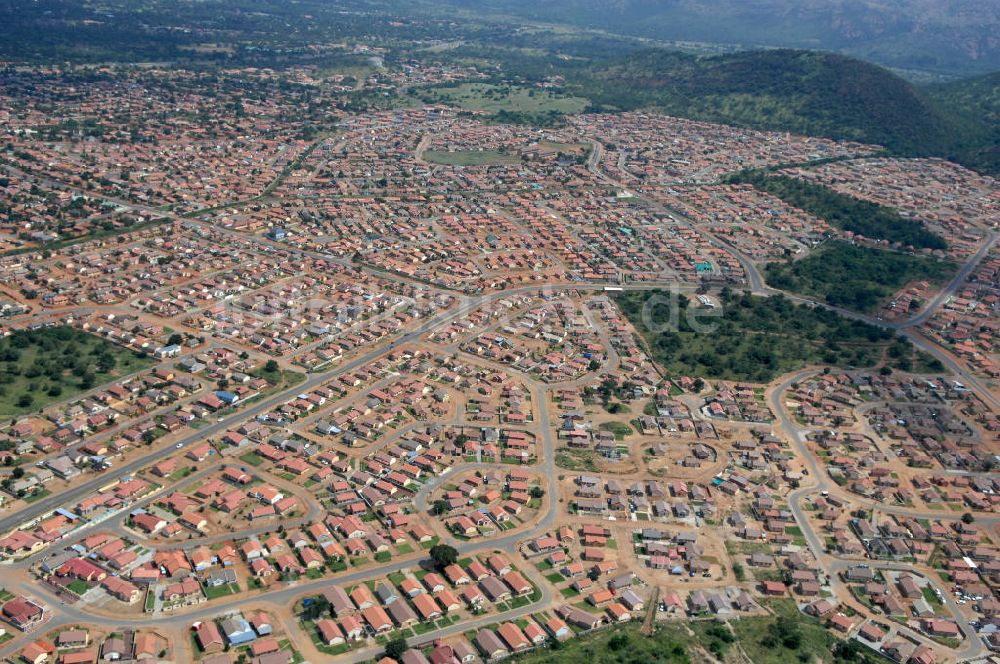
807,92
975,103
956,37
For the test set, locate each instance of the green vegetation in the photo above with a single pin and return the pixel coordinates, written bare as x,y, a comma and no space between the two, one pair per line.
622,645
790,636
576,459
854,277
443,555
806,92
883,32
90,237
38,367
817,93
395,647
619,429
272,373
214,592
506,103
714,635
754,339
251,458
77,587
37,495
975,104
847,213
801,91
470,158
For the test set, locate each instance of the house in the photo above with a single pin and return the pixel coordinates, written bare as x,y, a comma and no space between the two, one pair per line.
37,652
579,617
261,623
820,608
20,543
773,588
352,627
209,637
329,632
402,614
490,645
427,607
23,613
377,619
940,627
340,602
238,631
618,612
413,656
871,633
121,589
114,648
557,628
220,578
631,600
513,637
517,583
148,523
73,638
494,589
460,653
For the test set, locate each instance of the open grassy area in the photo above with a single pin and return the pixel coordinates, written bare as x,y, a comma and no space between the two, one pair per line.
214,592
619,429
470,157
855,277
788,636
622,645
78,587
575,459
277,376
252,459
752,338
488,98
37,495
39,367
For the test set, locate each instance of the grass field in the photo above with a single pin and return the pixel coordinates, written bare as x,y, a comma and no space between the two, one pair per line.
39,367
221,591
469,158
619,429
622,645
492,99
772,640
575,459
786,636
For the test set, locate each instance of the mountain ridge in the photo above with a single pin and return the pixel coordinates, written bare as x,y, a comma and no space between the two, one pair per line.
808,92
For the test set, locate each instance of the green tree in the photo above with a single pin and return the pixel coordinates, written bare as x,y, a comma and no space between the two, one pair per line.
443,555
396,647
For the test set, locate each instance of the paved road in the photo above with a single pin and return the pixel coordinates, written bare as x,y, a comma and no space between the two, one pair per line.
71,496
281,598
956,282
972,646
